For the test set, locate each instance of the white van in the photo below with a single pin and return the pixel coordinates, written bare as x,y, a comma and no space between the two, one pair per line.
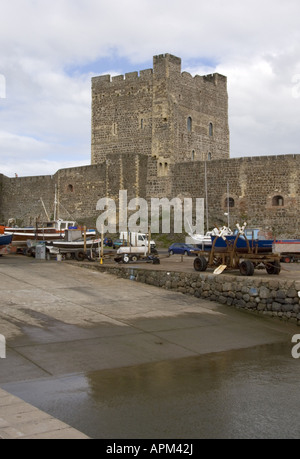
137,239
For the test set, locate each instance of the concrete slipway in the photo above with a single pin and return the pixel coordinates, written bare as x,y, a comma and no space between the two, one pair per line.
60,319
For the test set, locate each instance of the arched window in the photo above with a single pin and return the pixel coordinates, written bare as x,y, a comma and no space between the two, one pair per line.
70,188
229,202
209,156
189,124
193,155
210,129
277,201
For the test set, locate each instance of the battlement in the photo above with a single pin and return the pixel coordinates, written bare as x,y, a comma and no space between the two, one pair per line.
103,81
164,65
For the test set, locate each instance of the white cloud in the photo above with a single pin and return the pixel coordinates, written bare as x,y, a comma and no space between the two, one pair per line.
46,113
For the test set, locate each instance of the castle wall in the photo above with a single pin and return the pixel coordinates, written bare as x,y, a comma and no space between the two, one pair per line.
80,188
21,199
265,191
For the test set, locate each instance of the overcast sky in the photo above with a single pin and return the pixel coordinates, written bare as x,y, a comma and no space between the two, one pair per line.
50,50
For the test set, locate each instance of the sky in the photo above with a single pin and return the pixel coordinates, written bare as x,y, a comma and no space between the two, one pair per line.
49,51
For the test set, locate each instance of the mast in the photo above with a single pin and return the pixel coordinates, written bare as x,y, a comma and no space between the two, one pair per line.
55,203
206,199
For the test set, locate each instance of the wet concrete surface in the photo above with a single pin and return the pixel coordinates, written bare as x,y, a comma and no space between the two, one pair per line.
116,359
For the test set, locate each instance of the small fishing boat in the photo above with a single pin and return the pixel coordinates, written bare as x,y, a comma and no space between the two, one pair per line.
73,245
5,239
253,238
50,231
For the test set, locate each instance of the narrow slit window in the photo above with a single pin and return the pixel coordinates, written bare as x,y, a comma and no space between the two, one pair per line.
189,124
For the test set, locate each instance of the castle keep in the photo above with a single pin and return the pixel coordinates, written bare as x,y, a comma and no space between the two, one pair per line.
163,133
162,113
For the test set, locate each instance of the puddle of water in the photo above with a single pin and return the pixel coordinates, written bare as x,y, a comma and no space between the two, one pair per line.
248,393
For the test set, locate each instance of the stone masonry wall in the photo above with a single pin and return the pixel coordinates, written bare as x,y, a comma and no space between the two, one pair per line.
272,297
253,184
21,199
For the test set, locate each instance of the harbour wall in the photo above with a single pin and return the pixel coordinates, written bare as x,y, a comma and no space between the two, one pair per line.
272,297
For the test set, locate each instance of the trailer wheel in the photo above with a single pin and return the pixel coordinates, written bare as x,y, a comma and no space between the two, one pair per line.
246,268
273,268
134,258
126,259
200,264
79,255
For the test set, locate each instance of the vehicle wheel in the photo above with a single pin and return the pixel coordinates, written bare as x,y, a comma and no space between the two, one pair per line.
246,268
126,259
171,252
134,258
273,268
186,253
80,255
200,264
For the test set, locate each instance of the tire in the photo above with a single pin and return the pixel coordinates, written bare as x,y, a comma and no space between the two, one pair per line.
134,258
246,268
79,255
126,259
171,252
200,264
186,253
273,268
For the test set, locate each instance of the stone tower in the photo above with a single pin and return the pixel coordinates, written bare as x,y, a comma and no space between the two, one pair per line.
162,112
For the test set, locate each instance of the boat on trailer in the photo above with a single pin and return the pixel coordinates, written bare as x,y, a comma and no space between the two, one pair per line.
50,231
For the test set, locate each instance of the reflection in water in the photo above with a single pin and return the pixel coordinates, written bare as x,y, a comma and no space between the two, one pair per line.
247,393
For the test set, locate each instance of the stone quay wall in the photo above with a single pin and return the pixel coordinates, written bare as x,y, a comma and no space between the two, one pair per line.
272,297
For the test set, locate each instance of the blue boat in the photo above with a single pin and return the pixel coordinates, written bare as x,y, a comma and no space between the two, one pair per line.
256,240
5,239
